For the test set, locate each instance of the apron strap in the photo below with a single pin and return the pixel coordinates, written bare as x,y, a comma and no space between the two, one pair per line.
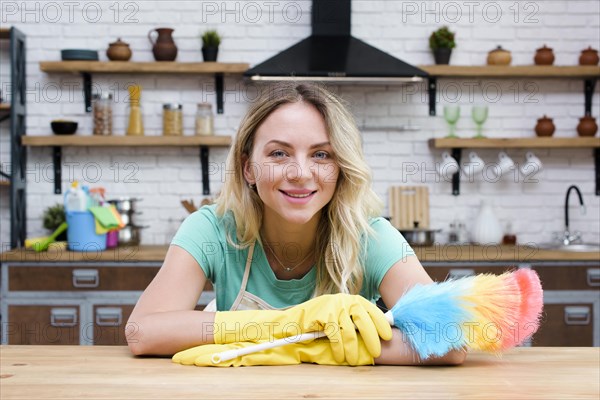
240,295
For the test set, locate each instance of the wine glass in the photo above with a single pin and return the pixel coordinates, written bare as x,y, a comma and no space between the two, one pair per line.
479,114
451,115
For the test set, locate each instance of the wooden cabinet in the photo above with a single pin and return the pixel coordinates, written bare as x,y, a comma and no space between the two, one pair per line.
571,304
73,303
43,324
571,315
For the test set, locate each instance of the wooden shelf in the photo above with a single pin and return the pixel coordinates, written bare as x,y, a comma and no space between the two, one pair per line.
126,67
87,68
4,182
4,33
120,141
492,143
4,107
516,71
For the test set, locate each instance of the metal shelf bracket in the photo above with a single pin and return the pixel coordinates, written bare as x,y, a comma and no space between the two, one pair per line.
432,88
204,167
219,89
456,154
87,90
597,169
588,91
56,161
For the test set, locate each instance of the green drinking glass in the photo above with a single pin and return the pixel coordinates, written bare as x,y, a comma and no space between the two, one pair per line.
451,115
479,114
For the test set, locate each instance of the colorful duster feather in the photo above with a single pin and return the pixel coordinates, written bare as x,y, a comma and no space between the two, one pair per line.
483,312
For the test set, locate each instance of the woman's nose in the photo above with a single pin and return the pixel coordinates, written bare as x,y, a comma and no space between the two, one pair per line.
300,169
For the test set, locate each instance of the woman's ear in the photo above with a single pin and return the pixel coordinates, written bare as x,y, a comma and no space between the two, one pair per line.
249,169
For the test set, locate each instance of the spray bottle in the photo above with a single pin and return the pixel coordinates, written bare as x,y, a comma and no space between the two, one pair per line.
75,198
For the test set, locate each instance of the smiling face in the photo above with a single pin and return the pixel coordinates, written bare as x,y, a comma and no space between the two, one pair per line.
293,165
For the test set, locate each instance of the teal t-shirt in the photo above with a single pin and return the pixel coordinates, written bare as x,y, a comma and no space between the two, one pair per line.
203,234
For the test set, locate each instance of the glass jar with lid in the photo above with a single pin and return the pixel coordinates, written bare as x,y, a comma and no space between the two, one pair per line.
204,120
172,119
103,114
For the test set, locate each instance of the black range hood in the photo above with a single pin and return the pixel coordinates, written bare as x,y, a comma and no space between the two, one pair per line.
331,54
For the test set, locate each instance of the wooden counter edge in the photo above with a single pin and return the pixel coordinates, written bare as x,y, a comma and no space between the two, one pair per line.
437,253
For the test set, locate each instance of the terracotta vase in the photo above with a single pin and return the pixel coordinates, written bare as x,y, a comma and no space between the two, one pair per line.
118,51
587,126
544,56
499,56
544,127
589,56
163,48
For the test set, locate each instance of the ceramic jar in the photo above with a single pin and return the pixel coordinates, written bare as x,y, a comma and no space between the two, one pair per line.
544,56
487,229
163,48
118,51
589,56
587,126
544,127
499,56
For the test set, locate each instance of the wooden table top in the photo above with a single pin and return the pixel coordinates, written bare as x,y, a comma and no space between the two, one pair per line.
103,372
437,253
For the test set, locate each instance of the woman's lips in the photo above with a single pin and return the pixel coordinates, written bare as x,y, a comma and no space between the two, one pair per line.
298,196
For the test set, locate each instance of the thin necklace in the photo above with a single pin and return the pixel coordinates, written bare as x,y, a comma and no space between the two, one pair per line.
288,269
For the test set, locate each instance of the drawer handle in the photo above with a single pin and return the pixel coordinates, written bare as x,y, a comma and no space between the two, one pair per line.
63,317
109,316
457,273
577,315
593,277
85,278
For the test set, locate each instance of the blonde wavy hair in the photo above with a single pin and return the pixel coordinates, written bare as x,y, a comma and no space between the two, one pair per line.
344,223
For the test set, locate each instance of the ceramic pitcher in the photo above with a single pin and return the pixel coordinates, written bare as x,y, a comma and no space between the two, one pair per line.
163,47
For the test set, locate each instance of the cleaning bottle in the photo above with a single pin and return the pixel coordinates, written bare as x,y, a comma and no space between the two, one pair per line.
75,198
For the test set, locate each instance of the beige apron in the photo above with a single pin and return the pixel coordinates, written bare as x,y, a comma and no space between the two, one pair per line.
245,300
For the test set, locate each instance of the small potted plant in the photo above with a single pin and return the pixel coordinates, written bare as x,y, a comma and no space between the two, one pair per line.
53,217
210,45
441,43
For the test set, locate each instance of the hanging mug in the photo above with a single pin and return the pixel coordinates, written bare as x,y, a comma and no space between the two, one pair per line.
163,47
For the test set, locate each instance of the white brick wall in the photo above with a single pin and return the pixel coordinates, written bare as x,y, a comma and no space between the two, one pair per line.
163,177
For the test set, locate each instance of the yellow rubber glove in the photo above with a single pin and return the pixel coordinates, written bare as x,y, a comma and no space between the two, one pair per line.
317,352
338,315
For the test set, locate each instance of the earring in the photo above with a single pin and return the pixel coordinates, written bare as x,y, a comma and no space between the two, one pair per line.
252,186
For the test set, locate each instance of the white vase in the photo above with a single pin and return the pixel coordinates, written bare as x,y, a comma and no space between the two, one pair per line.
487,229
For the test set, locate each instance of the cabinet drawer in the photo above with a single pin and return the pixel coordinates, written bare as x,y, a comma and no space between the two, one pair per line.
569,277
36,324
566,325
109,323
443,273
79,278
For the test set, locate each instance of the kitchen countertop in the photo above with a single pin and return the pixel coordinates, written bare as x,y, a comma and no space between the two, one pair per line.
98,372
437,253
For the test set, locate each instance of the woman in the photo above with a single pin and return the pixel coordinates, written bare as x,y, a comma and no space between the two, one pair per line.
296,225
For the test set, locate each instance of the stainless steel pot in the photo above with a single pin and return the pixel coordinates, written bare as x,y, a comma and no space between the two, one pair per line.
419,236
125,204
130,235
129,218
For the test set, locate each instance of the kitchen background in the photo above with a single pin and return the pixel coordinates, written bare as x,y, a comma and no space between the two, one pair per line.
253,31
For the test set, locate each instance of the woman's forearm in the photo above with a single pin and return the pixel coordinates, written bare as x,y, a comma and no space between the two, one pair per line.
166,333
398,352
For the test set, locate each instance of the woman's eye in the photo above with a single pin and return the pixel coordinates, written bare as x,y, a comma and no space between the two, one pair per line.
321,155
278,154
